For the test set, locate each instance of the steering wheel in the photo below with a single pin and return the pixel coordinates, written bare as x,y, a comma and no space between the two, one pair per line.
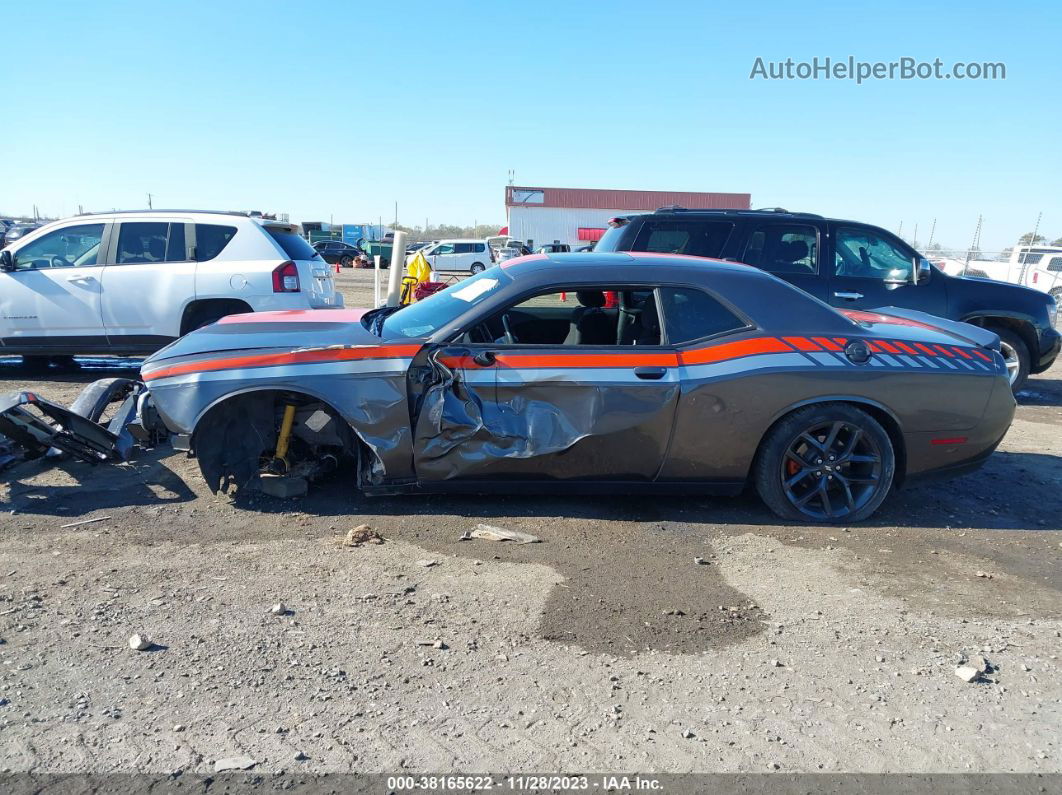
59,262
509,338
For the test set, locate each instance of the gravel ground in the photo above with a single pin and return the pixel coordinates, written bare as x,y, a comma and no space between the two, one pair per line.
604,647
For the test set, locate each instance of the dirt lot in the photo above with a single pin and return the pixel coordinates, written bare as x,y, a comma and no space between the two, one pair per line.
604,647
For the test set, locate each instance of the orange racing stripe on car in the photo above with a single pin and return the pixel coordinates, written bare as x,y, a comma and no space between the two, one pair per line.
323,355
714,353
802,343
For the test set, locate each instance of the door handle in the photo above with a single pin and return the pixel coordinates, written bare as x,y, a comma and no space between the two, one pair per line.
650,373
485,358
79,278
848,296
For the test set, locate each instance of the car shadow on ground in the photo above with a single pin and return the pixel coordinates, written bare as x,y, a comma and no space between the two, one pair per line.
1040,391
142,482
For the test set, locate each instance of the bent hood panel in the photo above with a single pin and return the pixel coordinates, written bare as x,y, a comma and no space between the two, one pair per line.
278,330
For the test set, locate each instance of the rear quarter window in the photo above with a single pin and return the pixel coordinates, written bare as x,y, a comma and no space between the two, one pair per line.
691,314
211,239
294,245
695,238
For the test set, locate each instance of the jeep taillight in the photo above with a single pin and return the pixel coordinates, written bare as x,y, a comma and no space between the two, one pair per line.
286,278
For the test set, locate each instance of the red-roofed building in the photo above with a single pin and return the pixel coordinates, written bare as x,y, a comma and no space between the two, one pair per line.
578,216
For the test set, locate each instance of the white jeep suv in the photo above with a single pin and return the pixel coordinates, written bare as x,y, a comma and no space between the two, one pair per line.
131,282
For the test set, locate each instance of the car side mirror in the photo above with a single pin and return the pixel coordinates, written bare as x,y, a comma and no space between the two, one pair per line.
7,262
923,271
897,278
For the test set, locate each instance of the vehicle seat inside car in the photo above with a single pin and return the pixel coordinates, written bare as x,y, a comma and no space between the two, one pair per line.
642,324
591,323
788,256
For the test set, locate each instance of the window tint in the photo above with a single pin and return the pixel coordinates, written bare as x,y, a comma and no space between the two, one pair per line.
1055,264
697,238
462,248
782,248
690,314
210,239
444,248
1031,259
869,255
74,246
294,245
176,250
153,241
479,248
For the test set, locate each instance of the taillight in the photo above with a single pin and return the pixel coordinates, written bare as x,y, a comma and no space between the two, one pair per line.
286,278
615,223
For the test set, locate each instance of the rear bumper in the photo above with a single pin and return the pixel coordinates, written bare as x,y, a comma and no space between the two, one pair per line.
1050,343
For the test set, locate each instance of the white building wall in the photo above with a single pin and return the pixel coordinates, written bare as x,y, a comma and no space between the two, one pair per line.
547,224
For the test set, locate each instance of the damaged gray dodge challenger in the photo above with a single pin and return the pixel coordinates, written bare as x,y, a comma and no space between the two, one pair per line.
620,373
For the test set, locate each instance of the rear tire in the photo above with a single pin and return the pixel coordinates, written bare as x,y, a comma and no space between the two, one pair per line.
828,463
346,262
1016,355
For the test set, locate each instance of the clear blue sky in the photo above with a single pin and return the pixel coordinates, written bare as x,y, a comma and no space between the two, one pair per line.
339,109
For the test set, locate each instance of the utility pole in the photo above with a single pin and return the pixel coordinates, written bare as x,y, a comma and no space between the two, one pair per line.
932,231
914,242
396,214
149,202
976,243
899,232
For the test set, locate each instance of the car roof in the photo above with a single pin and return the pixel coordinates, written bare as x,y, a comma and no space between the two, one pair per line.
564,262
766,212
233,214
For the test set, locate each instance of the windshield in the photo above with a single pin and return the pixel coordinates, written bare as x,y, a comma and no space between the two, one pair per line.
425,317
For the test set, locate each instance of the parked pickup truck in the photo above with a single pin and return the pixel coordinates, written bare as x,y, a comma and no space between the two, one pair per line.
851,265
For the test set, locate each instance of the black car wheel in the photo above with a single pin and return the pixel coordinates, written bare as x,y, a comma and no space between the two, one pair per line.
1015,355
346,261
827,463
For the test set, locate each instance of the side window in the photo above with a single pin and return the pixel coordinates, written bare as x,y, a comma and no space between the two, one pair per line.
866,254
1055,264
210,239
444,248
479,248
691,314
697,238
463,248
602,317
153,241
782,248
74,246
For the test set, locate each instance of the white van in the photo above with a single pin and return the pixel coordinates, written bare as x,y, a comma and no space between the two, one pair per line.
465,255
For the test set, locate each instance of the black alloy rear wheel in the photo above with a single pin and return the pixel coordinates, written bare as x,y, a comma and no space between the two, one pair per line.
827,463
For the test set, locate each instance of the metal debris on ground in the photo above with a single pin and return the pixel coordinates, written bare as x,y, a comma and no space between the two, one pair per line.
84,521
491,533
362,534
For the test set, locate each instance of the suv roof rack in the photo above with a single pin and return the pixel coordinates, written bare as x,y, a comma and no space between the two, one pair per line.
759,211
166,210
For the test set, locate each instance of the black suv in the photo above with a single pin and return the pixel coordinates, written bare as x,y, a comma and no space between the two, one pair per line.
851,266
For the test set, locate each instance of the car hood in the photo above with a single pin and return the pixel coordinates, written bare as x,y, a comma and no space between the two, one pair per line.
270,331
